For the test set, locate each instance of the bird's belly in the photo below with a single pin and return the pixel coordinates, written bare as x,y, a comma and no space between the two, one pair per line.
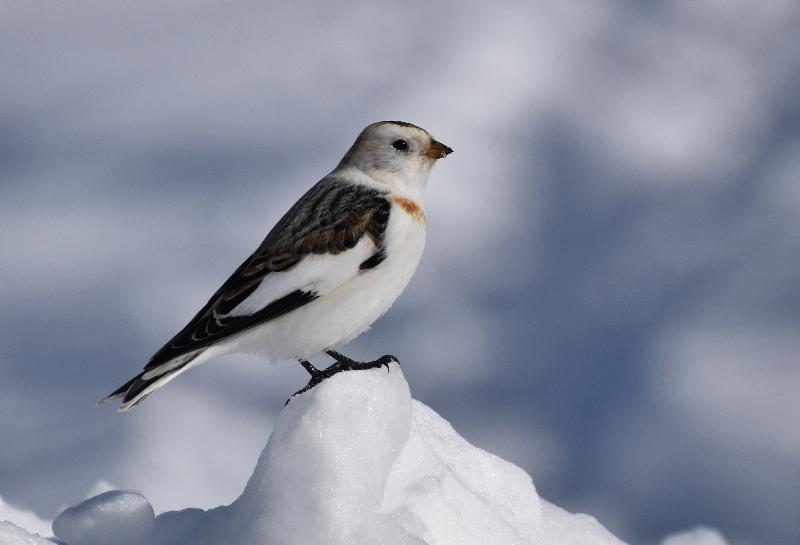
342,314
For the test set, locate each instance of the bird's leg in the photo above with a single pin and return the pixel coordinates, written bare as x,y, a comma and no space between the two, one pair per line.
340,358
348,364
313,371
343,363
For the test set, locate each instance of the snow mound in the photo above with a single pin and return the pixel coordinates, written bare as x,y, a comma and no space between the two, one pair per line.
354,460
124,514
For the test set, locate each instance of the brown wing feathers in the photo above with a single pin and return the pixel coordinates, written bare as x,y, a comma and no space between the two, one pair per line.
330,218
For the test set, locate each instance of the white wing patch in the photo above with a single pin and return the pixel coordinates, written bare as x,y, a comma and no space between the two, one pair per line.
320,273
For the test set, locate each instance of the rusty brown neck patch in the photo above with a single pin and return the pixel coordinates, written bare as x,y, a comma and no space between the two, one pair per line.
413,209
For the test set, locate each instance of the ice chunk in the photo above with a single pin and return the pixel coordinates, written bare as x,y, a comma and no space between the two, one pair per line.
121,517
323,472
354,460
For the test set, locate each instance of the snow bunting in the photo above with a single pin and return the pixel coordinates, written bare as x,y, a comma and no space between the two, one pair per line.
329,268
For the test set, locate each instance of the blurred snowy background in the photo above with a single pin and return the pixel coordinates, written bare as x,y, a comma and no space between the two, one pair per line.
610,296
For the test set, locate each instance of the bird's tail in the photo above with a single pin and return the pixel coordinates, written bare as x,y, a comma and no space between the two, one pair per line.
148,381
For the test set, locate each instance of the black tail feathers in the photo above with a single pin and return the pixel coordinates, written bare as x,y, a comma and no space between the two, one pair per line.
138,388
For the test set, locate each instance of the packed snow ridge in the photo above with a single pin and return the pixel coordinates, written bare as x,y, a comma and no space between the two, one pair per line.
354,460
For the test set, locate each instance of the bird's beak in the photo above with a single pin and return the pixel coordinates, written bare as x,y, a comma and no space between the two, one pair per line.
437,150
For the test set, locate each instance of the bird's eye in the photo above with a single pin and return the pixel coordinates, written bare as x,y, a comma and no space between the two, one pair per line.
400,145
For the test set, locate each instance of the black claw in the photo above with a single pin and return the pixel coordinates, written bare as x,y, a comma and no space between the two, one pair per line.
343,363
384,361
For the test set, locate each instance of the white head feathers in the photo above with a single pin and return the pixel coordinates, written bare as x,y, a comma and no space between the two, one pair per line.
395,152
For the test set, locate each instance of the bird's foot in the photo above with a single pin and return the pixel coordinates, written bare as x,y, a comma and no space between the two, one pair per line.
343,363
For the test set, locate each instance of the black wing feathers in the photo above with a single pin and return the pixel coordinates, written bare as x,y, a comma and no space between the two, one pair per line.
330,218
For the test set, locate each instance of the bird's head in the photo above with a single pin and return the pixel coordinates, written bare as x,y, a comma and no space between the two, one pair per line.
395,153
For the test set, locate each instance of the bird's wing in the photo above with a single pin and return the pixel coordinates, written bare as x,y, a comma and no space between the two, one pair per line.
330,235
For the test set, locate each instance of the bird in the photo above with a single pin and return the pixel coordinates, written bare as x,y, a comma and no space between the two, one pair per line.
331,266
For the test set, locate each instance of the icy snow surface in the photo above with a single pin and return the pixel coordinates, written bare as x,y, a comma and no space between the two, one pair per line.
355,460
